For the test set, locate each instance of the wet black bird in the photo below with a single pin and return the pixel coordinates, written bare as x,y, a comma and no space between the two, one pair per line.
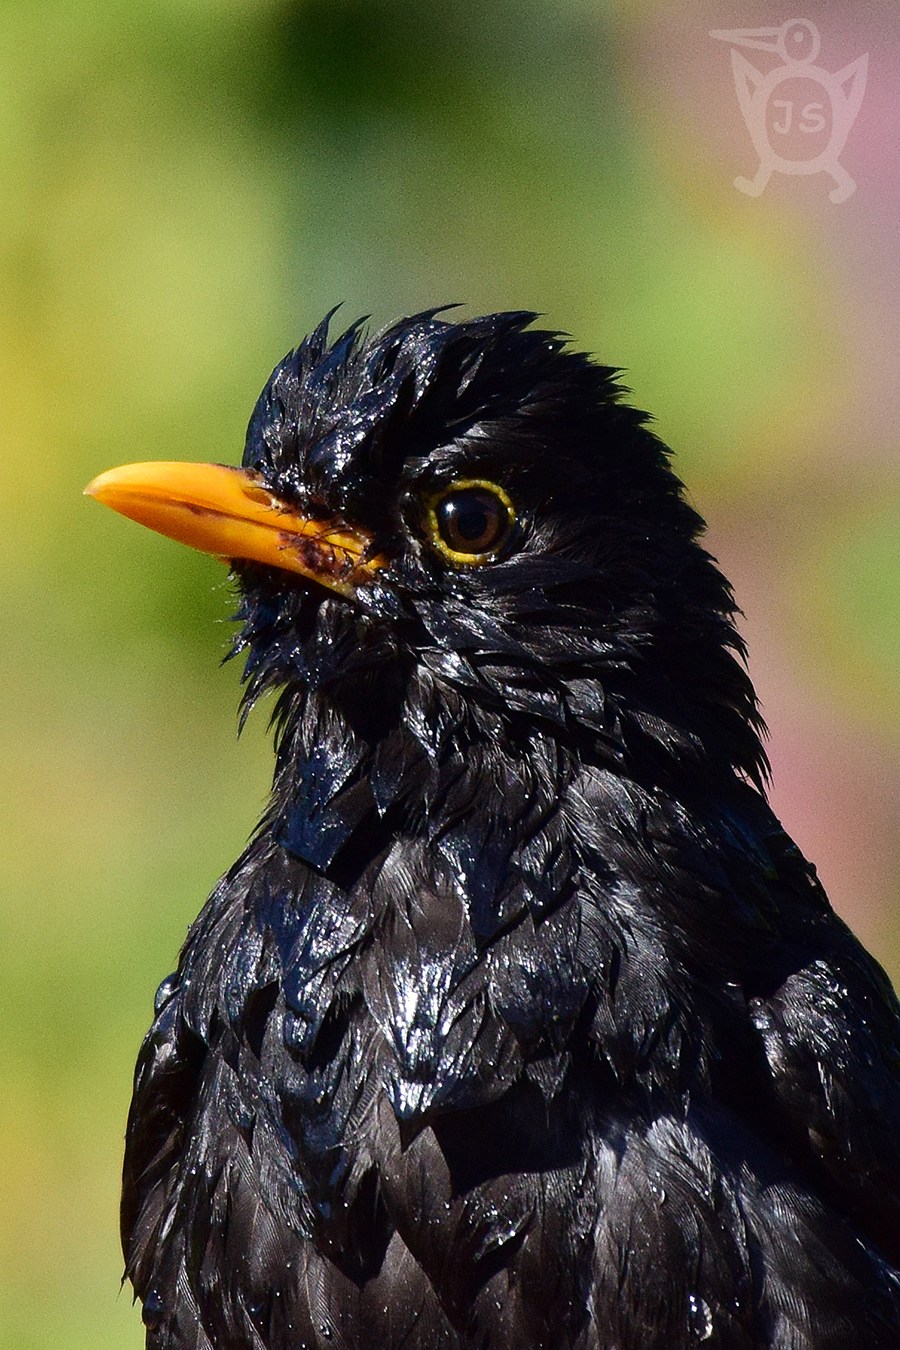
520,1022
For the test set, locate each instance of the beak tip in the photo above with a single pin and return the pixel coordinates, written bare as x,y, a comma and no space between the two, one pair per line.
95,486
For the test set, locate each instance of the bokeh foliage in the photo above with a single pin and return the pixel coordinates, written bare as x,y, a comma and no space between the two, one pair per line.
187,188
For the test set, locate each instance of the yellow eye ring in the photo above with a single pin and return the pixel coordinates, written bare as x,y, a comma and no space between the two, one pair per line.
469,521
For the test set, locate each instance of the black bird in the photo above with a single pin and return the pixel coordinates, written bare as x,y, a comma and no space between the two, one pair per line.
520,1022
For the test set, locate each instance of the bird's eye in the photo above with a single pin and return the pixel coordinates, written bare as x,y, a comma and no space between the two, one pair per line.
471,521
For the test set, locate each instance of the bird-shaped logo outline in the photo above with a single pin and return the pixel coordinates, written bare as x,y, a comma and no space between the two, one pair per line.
844,90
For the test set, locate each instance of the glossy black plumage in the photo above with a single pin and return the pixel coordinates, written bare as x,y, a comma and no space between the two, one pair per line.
520,1022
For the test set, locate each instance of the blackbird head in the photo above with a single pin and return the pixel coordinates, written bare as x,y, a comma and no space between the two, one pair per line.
457,547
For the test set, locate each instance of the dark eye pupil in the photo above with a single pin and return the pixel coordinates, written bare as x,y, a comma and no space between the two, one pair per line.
472,520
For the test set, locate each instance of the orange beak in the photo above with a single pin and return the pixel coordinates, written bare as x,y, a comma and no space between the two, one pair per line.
230,513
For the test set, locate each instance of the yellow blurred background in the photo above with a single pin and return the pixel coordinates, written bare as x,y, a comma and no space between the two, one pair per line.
186,188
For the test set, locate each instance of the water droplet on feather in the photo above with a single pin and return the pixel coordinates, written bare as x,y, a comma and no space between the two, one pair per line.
699,1318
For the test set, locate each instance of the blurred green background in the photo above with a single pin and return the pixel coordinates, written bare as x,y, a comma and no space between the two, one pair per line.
186,188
